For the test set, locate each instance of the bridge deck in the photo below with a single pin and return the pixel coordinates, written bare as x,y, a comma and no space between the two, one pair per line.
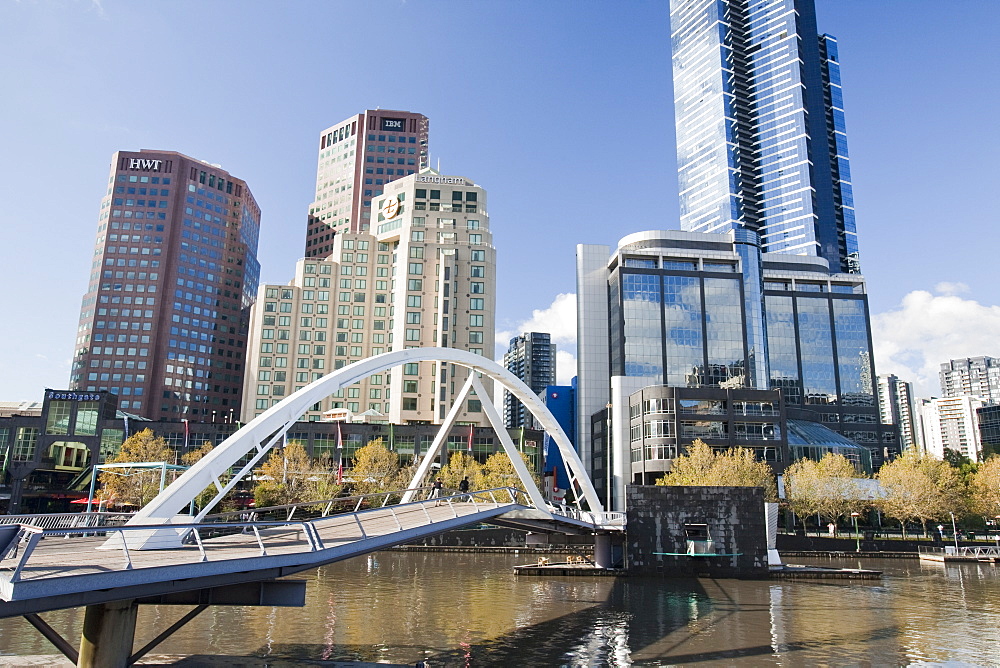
47,569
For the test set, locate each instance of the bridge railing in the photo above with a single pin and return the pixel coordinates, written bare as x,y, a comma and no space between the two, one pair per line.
358,502
68,520
95,548
602,519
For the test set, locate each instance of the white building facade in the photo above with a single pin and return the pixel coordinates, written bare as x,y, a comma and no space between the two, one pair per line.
952,423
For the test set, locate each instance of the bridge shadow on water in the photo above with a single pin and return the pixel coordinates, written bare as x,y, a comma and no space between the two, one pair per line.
643,621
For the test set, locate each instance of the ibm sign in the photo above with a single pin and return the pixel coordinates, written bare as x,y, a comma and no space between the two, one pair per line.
393,124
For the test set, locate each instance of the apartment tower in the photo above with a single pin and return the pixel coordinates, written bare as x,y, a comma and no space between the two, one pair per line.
761,140
357,157
532,358
164,320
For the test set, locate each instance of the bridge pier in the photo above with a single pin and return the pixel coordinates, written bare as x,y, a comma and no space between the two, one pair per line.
602,551
108,633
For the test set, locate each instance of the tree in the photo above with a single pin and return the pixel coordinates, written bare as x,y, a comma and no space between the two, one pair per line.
135,487
460,465
826,488
498,471
736,467
920,488
376,469
985,488
191,458
290,476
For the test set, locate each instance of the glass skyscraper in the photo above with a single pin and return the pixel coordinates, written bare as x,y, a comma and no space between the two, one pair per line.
761,140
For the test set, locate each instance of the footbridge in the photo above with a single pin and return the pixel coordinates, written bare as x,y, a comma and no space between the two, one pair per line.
161,556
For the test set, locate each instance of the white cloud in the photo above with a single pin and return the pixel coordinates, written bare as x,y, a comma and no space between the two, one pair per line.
926,330
558,319
949,288
565,367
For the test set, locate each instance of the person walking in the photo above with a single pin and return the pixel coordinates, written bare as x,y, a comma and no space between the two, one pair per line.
463,487
436,489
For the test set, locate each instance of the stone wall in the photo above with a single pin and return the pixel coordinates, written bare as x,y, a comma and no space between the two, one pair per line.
736,523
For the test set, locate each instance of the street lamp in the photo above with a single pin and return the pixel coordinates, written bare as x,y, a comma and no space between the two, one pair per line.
857,536
954,530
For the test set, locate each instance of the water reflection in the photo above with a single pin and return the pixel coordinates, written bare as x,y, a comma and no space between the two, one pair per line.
470,610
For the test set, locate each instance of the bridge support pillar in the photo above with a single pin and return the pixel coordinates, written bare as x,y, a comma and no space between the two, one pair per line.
108,634
602,551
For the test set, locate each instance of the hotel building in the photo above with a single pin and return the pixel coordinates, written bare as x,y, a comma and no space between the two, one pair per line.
423,275
163,323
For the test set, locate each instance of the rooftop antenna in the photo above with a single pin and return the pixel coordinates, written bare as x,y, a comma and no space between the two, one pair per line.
439,166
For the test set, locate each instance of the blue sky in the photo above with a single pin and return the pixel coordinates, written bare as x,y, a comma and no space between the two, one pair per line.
562,110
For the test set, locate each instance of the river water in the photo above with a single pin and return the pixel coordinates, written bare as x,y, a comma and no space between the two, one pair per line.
458,609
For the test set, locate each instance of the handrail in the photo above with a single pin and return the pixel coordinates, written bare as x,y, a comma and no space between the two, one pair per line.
21,549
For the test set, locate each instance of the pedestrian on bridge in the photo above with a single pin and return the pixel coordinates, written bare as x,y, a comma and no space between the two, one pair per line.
463,487
436,489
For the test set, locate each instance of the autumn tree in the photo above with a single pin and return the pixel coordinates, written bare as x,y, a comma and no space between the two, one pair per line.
192,457
376,469
984,489
736,467
460,465
826,487
920,488
290,476
135,486
498,471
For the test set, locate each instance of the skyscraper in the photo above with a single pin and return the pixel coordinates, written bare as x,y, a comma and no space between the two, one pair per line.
164,319
972,376
357,157
669,308
424,275
761,140
532,358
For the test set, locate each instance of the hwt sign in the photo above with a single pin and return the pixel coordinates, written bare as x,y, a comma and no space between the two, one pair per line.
144,164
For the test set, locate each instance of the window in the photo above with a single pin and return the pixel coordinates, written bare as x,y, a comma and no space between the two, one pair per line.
416,268
413,317
411,369
478,287
475,239
475,337
478,271
409,386
409,403
417,252
476,320
476,303
412,334
413,301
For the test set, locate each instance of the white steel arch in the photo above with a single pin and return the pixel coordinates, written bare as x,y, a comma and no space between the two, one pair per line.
259,435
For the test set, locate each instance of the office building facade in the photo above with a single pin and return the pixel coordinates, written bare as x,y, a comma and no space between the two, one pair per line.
424,275
670,308
357,157
164,320
761,140
972,376
532,358
897,406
